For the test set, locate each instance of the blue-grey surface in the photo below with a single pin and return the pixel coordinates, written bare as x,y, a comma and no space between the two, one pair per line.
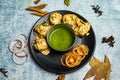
15,20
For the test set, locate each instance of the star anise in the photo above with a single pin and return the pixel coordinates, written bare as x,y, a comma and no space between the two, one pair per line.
109,40
96,9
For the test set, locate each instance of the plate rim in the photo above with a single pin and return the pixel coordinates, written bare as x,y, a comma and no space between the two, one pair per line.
52,71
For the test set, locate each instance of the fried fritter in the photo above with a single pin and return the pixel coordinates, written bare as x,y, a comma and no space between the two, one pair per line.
41,30
55,18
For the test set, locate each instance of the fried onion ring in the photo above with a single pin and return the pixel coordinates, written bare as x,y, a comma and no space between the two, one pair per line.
74,57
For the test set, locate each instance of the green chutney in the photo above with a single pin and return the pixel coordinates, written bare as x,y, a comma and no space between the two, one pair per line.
61,38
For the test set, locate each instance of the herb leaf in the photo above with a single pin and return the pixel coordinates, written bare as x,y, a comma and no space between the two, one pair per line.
67,2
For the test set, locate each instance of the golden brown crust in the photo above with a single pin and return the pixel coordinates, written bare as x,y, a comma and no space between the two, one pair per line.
55,18
40,44
42,29
74,57
80,27
46,51
70,19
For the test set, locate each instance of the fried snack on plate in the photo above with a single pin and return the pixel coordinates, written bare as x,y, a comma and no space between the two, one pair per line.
84,29
42,29
45,51
84,48
70,60
74,57
41,45
70,19
80,27
55,18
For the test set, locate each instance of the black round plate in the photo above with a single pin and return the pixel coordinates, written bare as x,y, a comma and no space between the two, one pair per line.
51,62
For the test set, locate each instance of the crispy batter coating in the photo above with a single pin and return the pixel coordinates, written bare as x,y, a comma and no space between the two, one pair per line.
74,57
42,29
41,45
80,27
70,19
55,18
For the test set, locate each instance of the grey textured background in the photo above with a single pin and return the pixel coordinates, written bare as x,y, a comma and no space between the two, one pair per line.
15,20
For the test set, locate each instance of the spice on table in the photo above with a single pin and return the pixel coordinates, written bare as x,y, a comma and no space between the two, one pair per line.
61,77
17,46
96,9
99,69
37,10
109,40
37,1
67,2
4,72
40,6
30,8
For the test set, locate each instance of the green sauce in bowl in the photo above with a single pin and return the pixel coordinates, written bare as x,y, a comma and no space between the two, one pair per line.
61,37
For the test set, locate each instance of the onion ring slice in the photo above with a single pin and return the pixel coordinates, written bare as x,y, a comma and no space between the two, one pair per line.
18,63
23,36
16,51
75,57
21,54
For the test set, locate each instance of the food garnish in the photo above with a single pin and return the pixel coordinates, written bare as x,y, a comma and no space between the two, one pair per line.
67,2
37,1
109,40
96,9
4,72
17,48
61,77
99,69
74,57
